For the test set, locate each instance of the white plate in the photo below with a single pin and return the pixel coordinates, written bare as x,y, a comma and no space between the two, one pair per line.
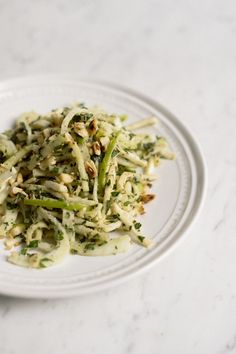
180,189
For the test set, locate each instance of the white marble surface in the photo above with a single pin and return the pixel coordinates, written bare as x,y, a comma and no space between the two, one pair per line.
182,53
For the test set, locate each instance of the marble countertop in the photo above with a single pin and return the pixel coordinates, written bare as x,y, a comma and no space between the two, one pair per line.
182,53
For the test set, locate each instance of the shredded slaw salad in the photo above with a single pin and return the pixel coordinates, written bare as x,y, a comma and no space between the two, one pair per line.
70,178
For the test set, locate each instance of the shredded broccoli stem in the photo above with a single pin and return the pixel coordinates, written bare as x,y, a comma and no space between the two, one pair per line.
54,204
105,163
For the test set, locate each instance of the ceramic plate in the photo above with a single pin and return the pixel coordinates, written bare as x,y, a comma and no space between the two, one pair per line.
180,189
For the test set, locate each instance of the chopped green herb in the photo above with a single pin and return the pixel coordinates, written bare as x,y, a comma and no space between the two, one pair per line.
55,169
148,147
82,117
33,244
101,243
114,153
80,140
24,251
131,136
59,236
11,206
123,117
137,225
89,246
141,238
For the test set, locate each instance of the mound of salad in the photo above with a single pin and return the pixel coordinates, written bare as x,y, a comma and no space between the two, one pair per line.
75,181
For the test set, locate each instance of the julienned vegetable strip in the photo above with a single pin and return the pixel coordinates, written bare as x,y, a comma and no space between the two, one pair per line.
71,178
105,163
142,123
8,164
54,204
